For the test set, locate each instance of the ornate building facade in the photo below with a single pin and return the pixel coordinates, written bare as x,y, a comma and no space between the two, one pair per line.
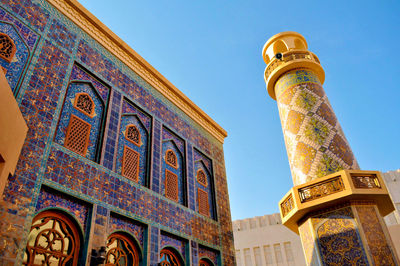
118,166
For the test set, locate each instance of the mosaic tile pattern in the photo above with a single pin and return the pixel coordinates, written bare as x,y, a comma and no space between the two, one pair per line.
172,142
315,143
54,199
118,223
14,69
96,122
208,253
168,240
112,131
143,150
62,59
378,243
203,163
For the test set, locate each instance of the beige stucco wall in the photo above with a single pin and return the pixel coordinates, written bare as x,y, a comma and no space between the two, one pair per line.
13,131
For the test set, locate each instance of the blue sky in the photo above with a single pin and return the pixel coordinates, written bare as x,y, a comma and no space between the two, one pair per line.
211,51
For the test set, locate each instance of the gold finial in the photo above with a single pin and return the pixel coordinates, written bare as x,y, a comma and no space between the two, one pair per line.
286,51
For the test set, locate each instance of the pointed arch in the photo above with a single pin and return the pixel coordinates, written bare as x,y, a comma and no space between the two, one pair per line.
84,103
132,134
171,159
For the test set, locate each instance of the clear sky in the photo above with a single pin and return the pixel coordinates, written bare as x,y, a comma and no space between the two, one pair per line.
211,51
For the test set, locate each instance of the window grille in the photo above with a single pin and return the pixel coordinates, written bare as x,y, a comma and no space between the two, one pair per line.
7,47
202,199
171,185
132,134
121,251
84,103
53,240
202,178
169,258
130,164
170,158
77,137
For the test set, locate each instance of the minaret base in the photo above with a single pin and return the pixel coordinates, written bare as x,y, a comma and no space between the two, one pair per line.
339,219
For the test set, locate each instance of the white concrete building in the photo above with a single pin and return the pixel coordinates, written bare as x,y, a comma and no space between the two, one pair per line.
263,240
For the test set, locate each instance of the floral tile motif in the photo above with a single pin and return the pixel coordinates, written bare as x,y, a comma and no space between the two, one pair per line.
341,149
308,121
327,166
212,255
294,121
325,112
339,241
119,223
306,100
304,157
316,131
53,199
168,240
377,242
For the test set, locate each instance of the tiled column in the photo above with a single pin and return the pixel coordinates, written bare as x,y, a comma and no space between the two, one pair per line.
336,208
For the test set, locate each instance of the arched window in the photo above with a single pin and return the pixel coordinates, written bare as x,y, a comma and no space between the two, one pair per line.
84,103
170,158
132,134
130,164
121,251
53,240
205,262
202,178
7,47
169,258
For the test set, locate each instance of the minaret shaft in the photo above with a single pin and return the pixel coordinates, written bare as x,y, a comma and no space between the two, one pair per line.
336,208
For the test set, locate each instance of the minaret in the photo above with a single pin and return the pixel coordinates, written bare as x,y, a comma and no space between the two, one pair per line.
336,208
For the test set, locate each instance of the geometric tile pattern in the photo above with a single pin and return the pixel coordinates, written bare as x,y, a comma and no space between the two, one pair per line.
177,243
212,255
204,190
62,60
315,143
376,238
120,223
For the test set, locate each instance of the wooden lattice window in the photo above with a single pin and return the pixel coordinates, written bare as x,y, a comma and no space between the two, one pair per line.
77,137
171,185
171,159
169,258
132,134
130,164
202,177
7,47
53,240
84,103
202,200
121,251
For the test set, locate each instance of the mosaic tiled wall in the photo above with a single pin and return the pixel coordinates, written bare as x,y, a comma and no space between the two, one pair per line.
315,142
351,234
54,61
